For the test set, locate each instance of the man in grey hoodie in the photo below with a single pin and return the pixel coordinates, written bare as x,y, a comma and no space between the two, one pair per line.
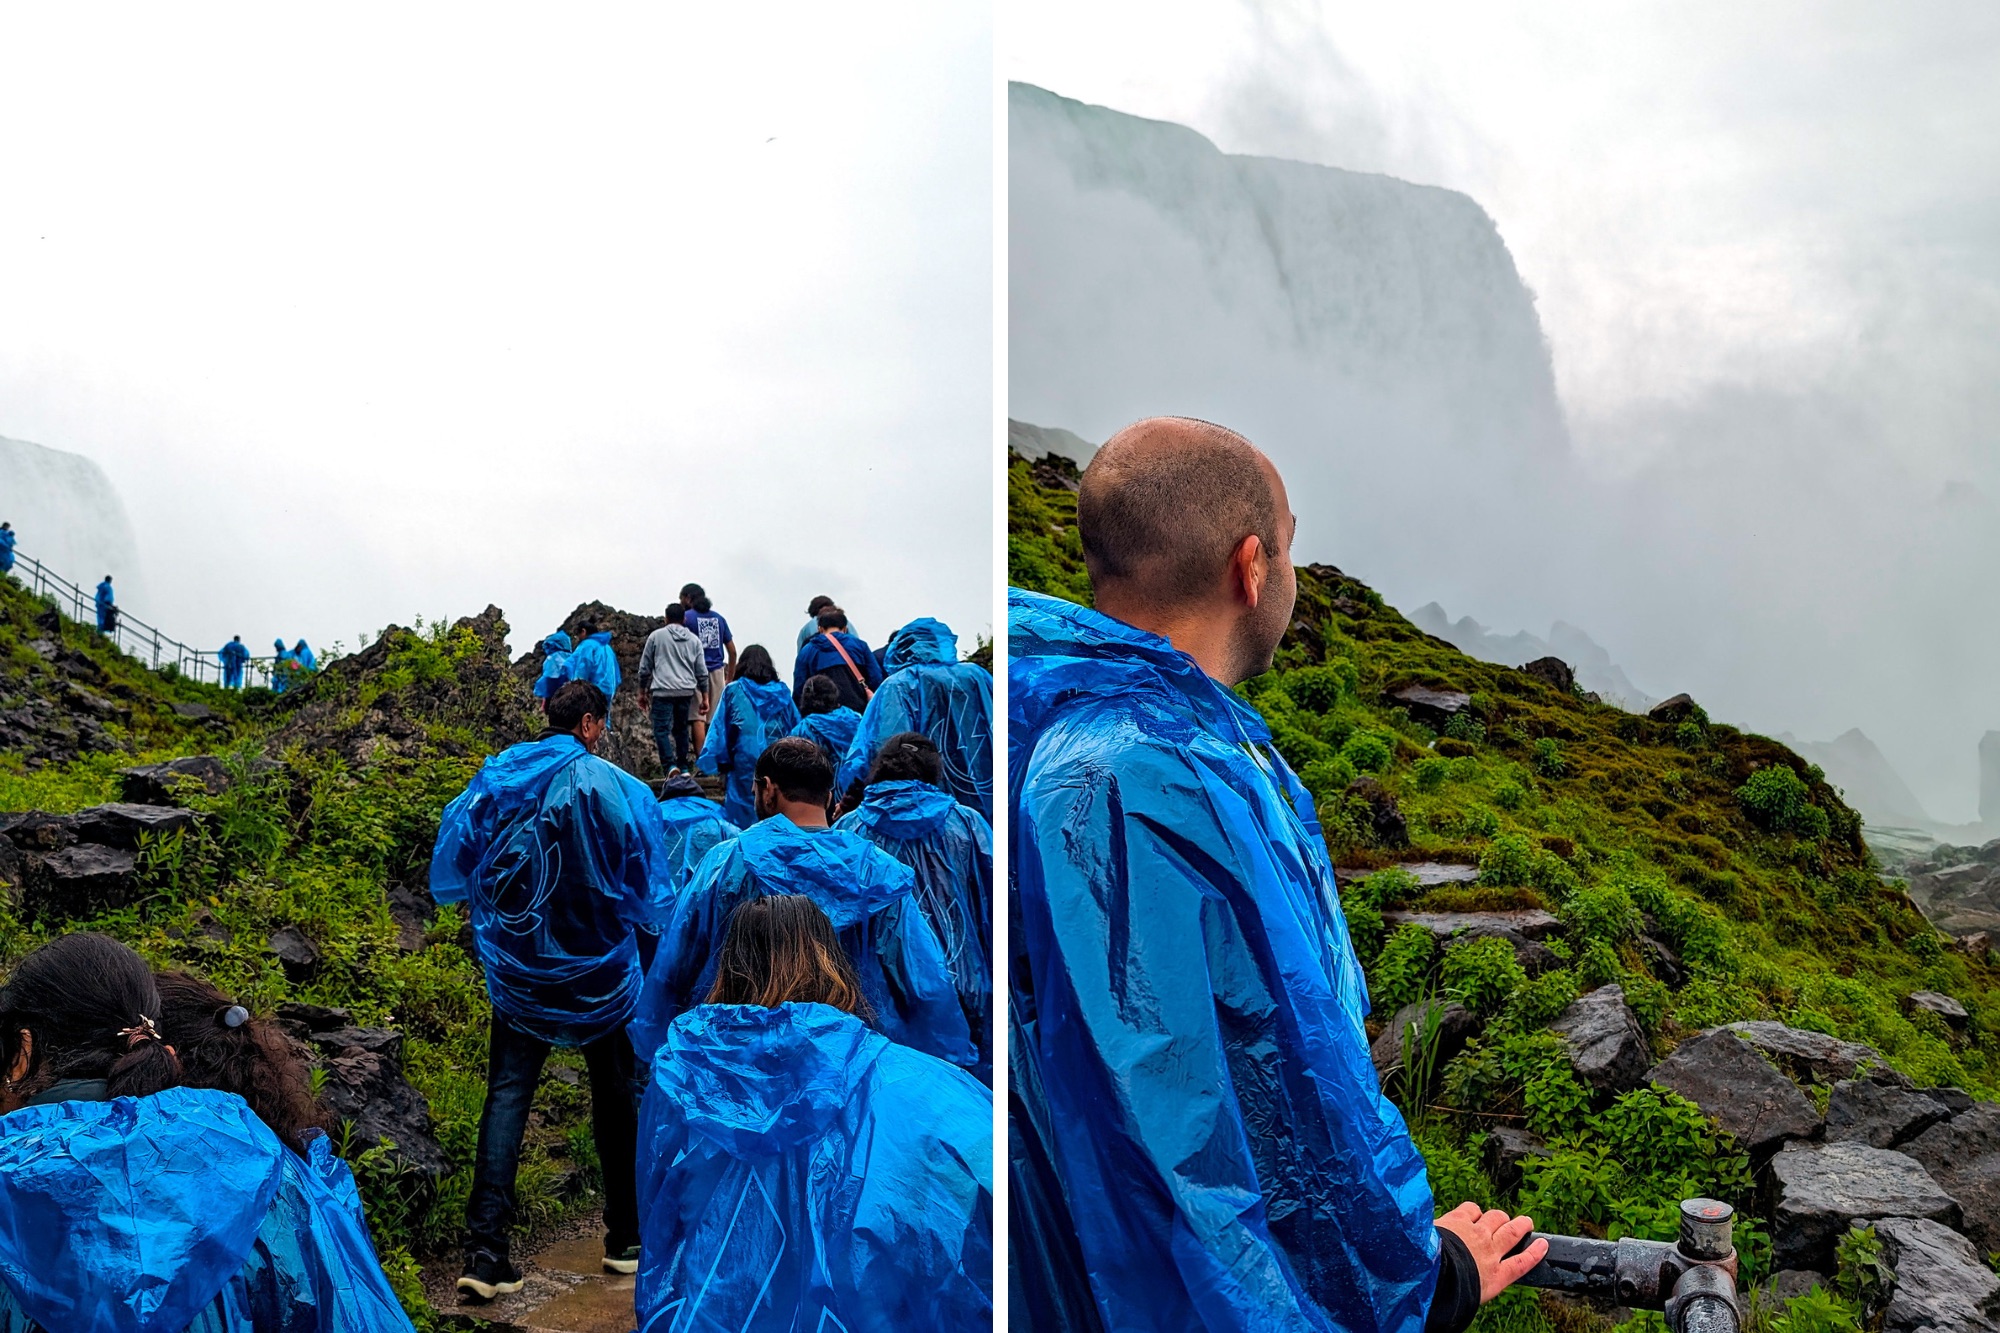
674,672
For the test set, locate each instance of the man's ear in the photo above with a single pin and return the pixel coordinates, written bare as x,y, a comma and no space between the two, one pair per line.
1249,570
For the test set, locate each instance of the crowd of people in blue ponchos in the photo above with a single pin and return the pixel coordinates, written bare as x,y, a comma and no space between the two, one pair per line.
783,999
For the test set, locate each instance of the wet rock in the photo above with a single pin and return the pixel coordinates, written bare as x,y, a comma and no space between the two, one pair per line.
159,783
194,712
1820,1190
1788,1283
1530,924
1931,1002
1428,874
1456,1025
1963,1154
308,1020
1940,1282
1607,1047
1433,707
1507,1148
1673,711
1879,1114
77,882
1664,962
297,955
1738,1089
370,1093
121,825
33,831
1553,672
1386,825
1953,1100
413,914
385,1042
1813,1057
1975,942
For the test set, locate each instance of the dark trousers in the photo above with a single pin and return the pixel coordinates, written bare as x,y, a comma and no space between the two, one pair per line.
670,728
513,1067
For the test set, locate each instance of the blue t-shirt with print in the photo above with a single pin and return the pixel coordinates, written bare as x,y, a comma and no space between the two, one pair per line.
713,631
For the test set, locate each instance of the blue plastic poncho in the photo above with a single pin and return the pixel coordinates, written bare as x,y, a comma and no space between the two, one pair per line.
832,732
948,700
233,654
694,825
179,1211
105,601
6,550
1189,1006
302,655
751,716
555,664
801,1173
950,850
281,667
870,898
595,662
561,855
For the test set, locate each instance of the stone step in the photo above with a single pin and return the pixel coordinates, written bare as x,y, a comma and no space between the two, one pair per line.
567,1291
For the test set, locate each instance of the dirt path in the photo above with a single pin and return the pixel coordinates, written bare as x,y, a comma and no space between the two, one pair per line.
567,1290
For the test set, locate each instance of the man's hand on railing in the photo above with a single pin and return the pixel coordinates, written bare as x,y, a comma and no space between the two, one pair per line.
1489,1234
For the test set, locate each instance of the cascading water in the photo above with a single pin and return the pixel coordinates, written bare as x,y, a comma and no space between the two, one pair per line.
68,516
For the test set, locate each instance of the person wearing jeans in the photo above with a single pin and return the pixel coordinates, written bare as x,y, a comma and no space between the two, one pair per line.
561,859
673,670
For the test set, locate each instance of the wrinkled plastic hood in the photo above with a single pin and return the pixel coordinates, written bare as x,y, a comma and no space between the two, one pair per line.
1060,651
821,864
128,1216
907,810
758,1080
520,774
558,642
773,702
922,640
602,636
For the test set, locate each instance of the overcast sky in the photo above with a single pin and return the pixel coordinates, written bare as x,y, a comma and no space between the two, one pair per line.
1765,245
391,311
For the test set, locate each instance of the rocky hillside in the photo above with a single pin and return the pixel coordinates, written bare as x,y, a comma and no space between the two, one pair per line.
280,845
1618,959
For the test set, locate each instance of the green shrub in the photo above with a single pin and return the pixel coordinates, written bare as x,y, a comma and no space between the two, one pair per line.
1391,884
1369,752
1327,778
1778,801
1549,760
1690,735
1539,1001
1401,968
1601,912
1430,773
1465,727
1818,1311
1481,974
1320,688
1508,861
1510,795
1364,925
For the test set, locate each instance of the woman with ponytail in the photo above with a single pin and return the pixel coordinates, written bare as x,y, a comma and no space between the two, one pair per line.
131,1202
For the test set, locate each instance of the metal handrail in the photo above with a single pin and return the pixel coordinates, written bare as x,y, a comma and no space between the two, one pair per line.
131,634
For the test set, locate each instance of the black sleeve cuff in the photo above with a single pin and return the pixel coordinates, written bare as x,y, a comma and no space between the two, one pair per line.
1456,1299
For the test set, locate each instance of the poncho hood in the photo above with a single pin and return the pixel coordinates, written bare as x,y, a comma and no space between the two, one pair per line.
757,1080
557,642
907,810
822,864
129,1216
520,774
921,641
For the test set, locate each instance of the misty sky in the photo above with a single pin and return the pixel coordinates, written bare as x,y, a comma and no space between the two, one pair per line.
1765,246
394,312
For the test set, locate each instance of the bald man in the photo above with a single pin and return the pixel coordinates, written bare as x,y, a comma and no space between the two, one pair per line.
1199,1138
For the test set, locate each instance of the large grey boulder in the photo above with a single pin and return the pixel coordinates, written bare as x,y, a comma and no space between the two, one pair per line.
1738,1089
122,825
1963,1153
1879,1114
1940,1282
1428,704
1944,1006
157,784
1456,1026
1822,1189
368,1091
1810,1056
1529,923
77,882
1607,1047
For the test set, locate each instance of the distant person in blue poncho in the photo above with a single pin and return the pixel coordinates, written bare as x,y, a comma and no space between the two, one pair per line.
801,1172
869,894
824,720
837,654
555,667
233,654
282,667
1199,1139
130,1203
595,661
303,660
949,846
755,710
694,825
718,650
928,689
107,608
6,548
562,858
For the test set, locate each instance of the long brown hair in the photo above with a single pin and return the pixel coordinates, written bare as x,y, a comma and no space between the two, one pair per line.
782,950
251,1057
93,1011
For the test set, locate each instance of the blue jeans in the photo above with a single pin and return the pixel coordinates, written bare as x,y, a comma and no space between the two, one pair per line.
513,1067
670,728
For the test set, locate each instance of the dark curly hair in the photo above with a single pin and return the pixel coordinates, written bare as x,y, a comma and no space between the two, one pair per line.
908,756
91,1011
254,1059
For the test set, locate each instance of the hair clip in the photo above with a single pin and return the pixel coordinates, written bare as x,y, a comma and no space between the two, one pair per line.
235,1016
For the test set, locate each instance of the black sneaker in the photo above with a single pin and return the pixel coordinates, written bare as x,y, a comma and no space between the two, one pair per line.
622,1261
487,1276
